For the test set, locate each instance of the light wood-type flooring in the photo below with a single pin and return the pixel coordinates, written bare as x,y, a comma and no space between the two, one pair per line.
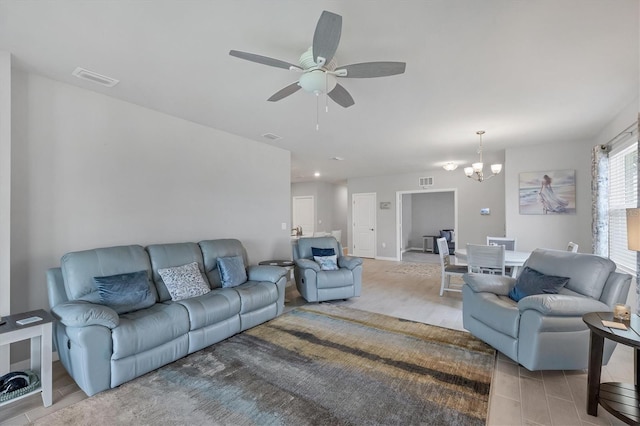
518,396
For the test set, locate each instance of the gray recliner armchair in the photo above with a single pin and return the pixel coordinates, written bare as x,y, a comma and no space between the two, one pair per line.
316,284
545,331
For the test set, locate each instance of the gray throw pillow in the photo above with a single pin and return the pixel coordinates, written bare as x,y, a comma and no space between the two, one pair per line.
125,292
531,282
184,281
232,271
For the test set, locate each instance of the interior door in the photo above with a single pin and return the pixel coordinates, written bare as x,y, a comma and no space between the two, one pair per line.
304,214
364,225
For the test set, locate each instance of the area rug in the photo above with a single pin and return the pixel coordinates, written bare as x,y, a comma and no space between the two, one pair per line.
316,365
427,270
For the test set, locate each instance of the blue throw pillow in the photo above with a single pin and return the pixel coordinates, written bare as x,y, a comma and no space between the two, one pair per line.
125,292
315,251
531,282
232,271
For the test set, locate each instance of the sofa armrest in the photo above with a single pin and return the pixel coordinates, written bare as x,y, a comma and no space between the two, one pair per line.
561,305
78,313
268,273
307,264
487,283
349,262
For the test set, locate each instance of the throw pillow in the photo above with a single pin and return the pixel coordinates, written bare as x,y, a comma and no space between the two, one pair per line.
531,282
315,251
446,235
327,263
125,292
232,271
184,281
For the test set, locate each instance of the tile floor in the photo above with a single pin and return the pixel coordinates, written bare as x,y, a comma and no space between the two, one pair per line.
518,396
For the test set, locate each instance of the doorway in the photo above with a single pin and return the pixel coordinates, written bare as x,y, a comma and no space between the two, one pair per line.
304,214
423,213
364,225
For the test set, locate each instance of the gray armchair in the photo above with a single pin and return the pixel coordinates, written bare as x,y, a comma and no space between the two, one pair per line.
545,331
316,284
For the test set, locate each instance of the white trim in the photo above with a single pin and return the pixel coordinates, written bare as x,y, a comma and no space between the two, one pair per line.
399,195
5,196
386,258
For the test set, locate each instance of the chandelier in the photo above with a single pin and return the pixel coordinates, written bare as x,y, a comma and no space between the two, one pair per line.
475,171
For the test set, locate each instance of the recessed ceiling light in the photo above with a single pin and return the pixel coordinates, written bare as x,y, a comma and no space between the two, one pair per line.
271,136
317,174
94,77
338,158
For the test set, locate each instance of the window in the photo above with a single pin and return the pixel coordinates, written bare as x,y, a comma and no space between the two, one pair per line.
623,194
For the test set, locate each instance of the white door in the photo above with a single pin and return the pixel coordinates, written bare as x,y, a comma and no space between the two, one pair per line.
304,214
364,225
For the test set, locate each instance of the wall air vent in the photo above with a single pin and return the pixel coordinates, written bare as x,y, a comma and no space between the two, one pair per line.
426,181
271,136
95,77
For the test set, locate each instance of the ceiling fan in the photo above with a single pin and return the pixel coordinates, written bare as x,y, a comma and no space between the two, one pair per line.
319,67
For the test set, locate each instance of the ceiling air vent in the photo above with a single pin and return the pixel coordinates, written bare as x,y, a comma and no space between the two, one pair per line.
271,136
95,77
426,181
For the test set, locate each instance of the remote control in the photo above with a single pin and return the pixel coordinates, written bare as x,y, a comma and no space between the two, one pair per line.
29,320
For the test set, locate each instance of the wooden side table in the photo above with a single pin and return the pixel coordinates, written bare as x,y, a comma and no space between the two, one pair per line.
41,342
620,399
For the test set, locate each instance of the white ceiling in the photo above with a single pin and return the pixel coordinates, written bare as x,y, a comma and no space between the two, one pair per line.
526,71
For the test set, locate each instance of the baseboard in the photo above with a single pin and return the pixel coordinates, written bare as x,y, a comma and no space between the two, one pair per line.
386,258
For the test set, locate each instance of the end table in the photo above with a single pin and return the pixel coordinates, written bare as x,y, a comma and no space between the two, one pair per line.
41,341
620,399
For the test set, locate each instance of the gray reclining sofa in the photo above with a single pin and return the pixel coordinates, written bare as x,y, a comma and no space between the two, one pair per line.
101,348
545,331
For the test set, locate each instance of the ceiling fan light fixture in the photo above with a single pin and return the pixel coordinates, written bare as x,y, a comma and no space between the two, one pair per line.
450,166
318,82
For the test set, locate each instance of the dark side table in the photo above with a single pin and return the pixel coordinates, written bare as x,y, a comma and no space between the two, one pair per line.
620,399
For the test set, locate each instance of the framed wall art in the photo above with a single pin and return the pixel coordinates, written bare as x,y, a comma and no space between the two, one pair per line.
550,192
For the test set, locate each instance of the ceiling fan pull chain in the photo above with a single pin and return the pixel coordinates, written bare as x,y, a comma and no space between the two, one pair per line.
317,111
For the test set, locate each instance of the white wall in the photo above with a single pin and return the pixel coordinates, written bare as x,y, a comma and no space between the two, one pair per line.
555,231
91,171
472,196
550,231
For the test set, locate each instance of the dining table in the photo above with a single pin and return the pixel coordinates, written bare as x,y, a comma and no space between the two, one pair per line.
512,259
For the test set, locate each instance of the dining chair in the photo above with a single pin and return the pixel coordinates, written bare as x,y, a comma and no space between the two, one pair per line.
448,269
485,259
572,247
508,243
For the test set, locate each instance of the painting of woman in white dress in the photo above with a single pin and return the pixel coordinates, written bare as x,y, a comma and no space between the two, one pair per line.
551,192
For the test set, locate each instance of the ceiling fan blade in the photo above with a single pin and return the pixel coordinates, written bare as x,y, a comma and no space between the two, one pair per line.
283,93
326,37
340,96
265,60
372,69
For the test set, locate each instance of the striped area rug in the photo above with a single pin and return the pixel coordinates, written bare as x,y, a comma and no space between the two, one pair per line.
316,365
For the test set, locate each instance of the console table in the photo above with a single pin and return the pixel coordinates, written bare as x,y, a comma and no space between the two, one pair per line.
620,399
41,343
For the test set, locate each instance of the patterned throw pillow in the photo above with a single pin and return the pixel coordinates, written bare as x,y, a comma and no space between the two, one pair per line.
184,281
327,263
232,271
125,292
